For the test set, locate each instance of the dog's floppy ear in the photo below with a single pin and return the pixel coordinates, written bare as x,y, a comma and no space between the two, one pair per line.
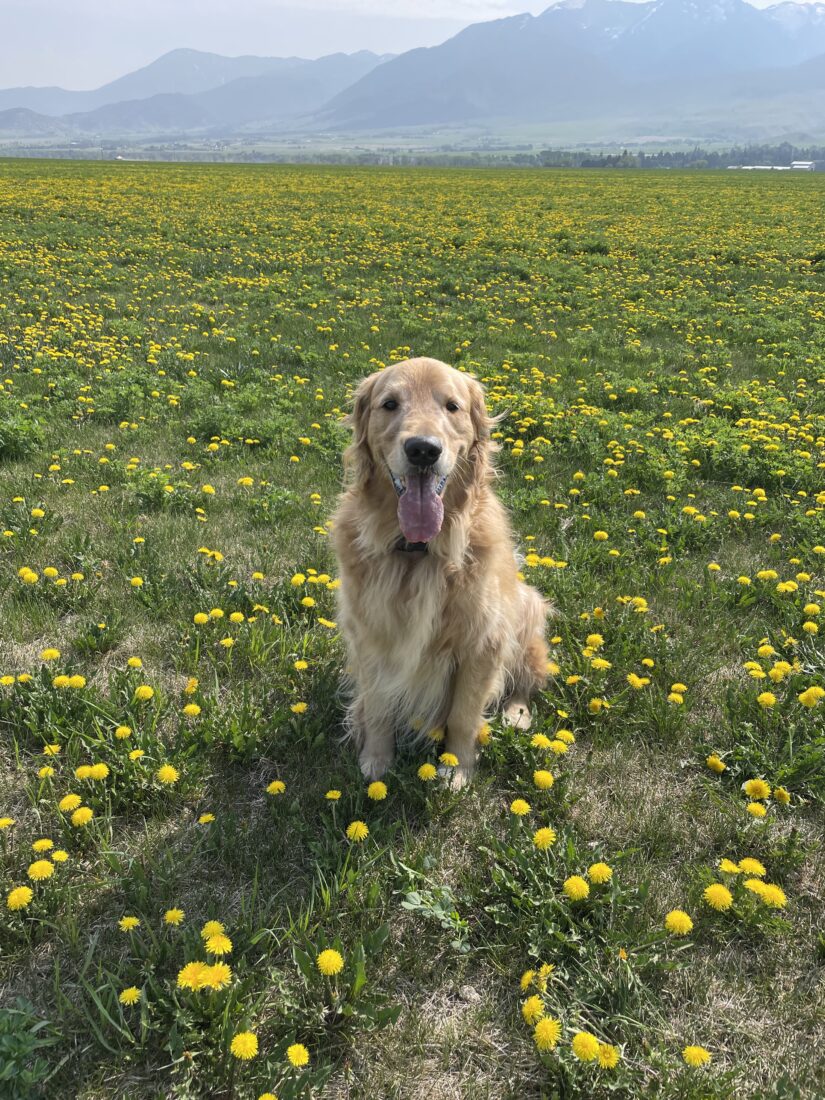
482,422
358,462
483,447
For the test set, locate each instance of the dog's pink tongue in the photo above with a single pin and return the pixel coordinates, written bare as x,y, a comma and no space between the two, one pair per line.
420,509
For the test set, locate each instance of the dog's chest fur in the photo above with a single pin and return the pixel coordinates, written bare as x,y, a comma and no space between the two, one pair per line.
403,606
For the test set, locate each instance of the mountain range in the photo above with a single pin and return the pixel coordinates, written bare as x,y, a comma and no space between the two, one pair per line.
698,68
188,91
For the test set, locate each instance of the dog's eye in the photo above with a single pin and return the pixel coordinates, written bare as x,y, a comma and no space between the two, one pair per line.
390,404
452,407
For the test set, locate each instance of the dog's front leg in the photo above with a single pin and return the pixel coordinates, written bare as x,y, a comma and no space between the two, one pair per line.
376,735
472,688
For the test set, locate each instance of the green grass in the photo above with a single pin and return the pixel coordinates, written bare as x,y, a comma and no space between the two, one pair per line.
658,343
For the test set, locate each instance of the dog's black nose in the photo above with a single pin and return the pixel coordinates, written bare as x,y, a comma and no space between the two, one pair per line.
422,451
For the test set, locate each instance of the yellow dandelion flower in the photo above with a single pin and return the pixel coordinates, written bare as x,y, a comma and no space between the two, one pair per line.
811,697
298,1055
217,976
696,1056
608,1056
772,895
19,898
330,962
244,1045
750,866
718,896
546,1033
678,923
576,888
357,831
532,1009
219,944
729,867
585,1046
599,873
757,789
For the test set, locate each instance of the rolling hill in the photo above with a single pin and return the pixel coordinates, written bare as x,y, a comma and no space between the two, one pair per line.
704,68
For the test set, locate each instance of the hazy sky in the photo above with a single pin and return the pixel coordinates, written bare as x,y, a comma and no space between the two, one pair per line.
84,43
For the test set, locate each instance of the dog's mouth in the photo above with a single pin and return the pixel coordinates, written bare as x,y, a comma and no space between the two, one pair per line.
420,507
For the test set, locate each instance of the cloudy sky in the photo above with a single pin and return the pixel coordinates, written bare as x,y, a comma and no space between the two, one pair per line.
84,43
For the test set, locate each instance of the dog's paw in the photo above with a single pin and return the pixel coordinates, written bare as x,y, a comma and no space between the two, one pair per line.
457,778
372,766
516,713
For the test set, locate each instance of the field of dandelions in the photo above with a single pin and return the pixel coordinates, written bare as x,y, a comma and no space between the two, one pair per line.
201,897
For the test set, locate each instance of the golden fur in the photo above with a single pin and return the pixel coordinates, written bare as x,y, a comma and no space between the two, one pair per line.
434,638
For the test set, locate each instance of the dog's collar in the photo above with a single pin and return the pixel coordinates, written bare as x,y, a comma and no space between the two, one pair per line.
410,547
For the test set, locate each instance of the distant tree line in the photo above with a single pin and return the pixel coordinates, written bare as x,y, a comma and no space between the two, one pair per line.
694,158
445,156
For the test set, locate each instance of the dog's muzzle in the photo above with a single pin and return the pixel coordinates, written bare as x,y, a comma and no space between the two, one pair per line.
400,484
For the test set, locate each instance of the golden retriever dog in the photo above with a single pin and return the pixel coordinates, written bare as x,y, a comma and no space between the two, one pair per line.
438,626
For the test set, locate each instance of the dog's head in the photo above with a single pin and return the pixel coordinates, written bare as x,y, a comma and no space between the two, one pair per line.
420,425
